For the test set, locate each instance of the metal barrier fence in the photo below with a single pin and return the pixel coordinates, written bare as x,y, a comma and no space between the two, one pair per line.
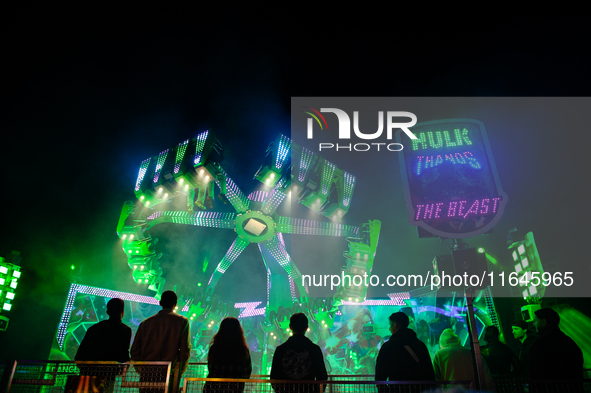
337,385
30,376
524,386
225,385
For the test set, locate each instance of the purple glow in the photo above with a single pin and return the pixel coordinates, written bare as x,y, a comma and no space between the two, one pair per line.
484,206
199,146
180,153
453,206
273,200
456,209
258,196
456,159
122,295
250,309
473,209
186,306
451,312
438,209
87,290
308,227
199,218
418,209
396,299
234,194
305,161
159,164
428,211
375,303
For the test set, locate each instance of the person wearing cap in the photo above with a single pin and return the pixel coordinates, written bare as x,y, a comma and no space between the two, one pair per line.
403,357
521,332
107,340
553,356
453,362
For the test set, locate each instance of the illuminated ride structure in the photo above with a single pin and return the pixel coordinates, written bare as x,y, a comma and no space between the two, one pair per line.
347,325
192,170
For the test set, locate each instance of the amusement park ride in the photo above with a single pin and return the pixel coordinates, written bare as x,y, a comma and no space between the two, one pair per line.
192,170
187,184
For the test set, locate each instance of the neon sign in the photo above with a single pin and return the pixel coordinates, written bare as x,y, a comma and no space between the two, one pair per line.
451,184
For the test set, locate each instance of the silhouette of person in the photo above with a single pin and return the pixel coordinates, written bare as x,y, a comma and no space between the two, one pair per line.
228,357
553,356
453,362
107,340
499,357
163,337
298,359
526,338
403,357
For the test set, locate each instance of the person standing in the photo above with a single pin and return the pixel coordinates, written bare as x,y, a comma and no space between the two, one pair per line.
404,357
164,337
500,359
107,340
553,356
228,357
298,359
453,362
526,338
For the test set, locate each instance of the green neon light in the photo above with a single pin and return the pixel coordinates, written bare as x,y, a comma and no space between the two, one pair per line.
435,144
159,164
235,250
327,176
440,139
349,184
448,141
491,259
305,161
180,154
142,173
199,146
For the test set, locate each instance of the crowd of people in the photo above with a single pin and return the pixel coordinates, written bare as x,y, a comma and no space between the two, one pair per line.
165,336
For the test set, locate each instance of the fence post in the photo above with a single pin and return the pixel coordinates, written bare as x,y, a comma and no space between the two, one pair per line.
479,370
7,376
176,378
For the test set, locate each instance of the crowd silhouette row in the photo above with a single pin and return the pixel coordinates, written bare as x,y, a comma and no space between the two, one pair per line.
548,354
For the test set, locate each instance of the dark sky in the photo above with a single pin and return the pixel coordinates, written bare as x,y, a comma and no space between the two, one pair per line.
89,92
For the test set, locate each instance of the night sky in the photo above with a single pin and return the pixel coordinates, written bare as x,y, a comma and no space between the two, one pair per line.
90,92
